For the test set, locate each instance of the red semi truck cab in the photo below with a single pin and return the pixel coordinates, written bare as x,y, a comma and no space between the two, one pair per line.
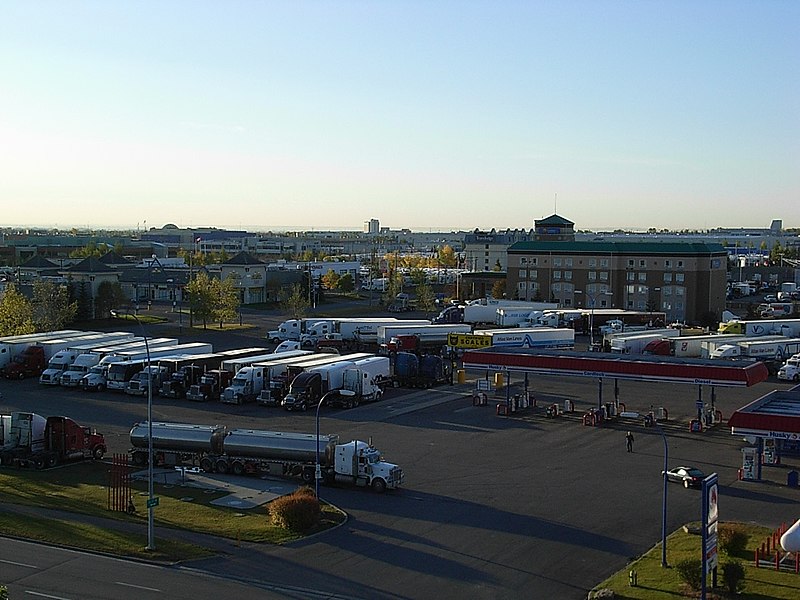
29,363
69,440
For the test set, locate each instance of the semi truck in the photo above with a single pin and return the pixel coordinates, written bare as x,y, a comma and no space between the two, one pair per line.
790,370
122,371
250,451
353,331
234,364
763,349
483,311
62,359
73,374
34,358
521,317
308,387
31,440
186,376
534,337
366,379
12,345
96,377
425,330
292,329
688,346
636,344
424,371
786,327
161,368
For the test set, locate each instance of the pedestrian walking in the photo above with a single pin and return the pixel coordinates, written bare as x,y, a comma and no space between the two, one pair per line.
629,441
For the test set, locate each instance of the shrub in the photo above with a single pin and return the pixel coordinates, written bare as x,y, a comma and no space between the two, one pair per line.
690,572
3,592
305,491
602,594
732,539
733,576
299,511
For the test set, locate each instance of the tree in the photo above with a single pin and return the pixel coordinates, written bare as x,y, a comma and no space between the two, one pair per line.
331,279
84,302
90,249
499,289
51,304
346,283
227,305
447,257
426,299
294,300
109,297
15,313
202,298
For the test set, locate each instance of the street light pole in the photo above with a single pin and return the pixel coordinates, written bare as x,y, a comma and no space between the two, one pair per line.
664,501
151,542
318,466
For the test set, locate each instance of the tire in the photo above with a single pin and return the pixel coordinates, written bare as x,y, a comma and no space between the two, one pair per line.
100,387
98,453
207,464
308,475
686,483
52,460
303,407
221,466
139,459
355,403
38,463
237,468
378,486
21,376
796,377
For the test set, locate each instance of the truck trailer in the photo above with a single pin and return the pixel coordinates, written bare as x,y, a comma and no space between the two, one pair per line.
425,331
62,359
636,344
258,452
534,337
786,327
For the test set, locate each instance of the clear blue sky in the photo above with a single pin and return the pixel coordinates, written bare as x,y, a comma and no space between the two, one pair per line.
431,115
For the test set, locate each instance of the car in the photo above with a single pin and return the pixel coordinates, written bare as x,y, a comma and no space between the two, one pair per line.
688,476
770,298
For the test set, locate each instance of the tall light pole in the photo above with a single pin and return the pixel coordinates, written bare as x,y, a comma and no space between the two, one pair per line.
151,542
664,501
318,469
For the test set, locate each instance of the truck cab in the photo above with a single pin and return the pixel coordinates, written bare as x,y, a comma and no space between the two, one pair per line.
210,385
359,463
304,391
29,363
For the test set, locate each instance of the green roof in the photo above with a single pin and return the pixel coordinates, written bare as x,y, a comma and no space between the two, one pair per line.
638,248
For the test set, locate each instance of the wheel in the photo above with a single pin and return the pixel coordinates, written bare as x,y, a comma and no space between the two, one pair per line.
355,403
221,466
98,453
686,483
276,340
237,468
796,377
52,460
38,462
348,404
139,459
303,407
308,475
207,464
378,486
21,375
307,344
99,387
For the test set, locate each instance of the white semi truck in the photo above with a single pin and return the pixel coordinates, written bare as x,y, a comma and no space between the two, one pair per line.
62,359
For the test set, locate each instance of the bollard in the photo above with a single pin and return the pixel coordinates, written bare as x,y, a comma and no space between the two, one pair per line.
777,561
756,557
633,578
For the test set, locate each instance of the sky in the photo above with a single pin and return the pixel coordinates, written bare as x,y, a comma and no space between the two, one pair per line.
431,116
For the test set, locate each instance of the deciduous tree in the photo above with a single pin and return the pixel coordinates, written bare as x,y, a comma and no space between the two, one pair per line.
52,308
294,301
15,313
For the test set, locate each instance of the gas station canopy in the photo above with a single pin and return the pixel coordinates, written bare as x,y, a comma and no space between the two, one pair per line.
774,415
740,373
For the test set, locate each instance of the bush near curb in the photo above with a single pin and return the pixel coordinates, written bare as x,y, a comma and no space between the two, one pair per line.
298,511
733,576
690,571
732,539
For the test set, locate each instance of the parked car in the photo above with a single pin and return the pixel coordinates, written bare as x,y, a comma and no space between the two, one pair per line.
771,298
688,476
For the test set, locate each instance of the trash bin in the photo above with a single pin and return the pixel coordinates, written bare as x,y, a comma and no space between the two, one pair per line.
792,479
498,380
462,376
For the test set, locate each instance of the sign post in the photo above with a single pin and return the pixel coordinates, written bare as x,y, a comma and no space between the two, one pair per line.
710,515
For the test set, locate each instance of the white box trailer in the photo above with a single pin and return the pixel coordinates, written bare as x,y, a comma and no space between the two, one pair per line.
119,373
366,379
516,316
234,364
62,359
364,330
11,345
532,337
425,331
763,349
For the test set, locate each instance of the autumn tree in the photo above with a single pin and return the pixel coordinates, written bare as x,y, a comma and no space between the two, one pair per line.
447,257
15,313
499,289
426,299
52,308
331,280
202,298
227,304
91,249
346,283
109,297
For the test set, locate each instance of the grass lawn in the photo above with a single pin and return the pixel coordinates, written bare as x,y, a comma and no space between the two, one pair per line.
83,488
657,583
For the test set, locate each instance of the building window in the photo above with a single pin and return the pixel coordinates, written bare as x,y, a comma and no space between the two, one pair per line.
667,264
486,247
567,301
486,254
642,276
679,277
567,262
556,288
592,276
603,276
556,262
642,263
533,261
631,276
680,264
533,274
521,285
523,260
679,291
556,274
592,263
603,262
667,277
568,275
630,289
630,262
642,289
522,274
667,291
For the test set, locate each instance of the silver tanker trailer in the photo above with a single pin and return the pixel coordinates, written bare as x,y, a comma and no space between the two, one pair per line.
252,451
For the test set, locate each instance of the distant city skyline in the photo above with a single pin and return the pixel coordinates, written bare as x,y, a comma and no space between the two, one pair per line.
440,116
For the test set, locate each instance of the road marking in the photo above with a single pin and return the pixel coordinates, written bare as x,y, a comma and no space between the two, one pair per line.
138,587
16,564
46,595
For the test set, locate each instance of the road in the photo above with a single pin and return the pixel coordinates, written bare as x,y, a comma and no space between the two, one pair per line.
493,507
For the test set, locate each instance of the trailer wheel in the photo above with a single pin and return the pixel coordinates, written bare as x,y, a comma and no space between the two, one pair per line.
207,464
139,459
308,475
378,486
237,468
355,403
52,460
38,462
21,375
221,466
303,407
98,453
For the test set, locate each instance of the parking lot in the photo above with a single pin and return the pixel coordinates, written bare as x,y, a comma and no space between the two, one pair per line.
493,507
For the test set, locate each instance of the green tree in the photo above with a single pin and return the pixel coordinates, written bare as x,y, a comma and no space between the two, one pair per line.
331,280
346,283
52,308
447,257
426,299
109,297
15,313
84,302
202,298
418,276
91,249
227,305
499,289
294,300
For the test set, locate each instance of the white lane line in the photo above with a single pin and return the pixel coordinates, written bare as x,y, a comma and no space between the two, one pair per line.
138,587
16,564
46,595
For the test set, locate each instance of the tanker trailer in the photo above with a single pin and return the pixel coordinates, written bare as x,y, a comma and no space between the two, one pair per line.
173,443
